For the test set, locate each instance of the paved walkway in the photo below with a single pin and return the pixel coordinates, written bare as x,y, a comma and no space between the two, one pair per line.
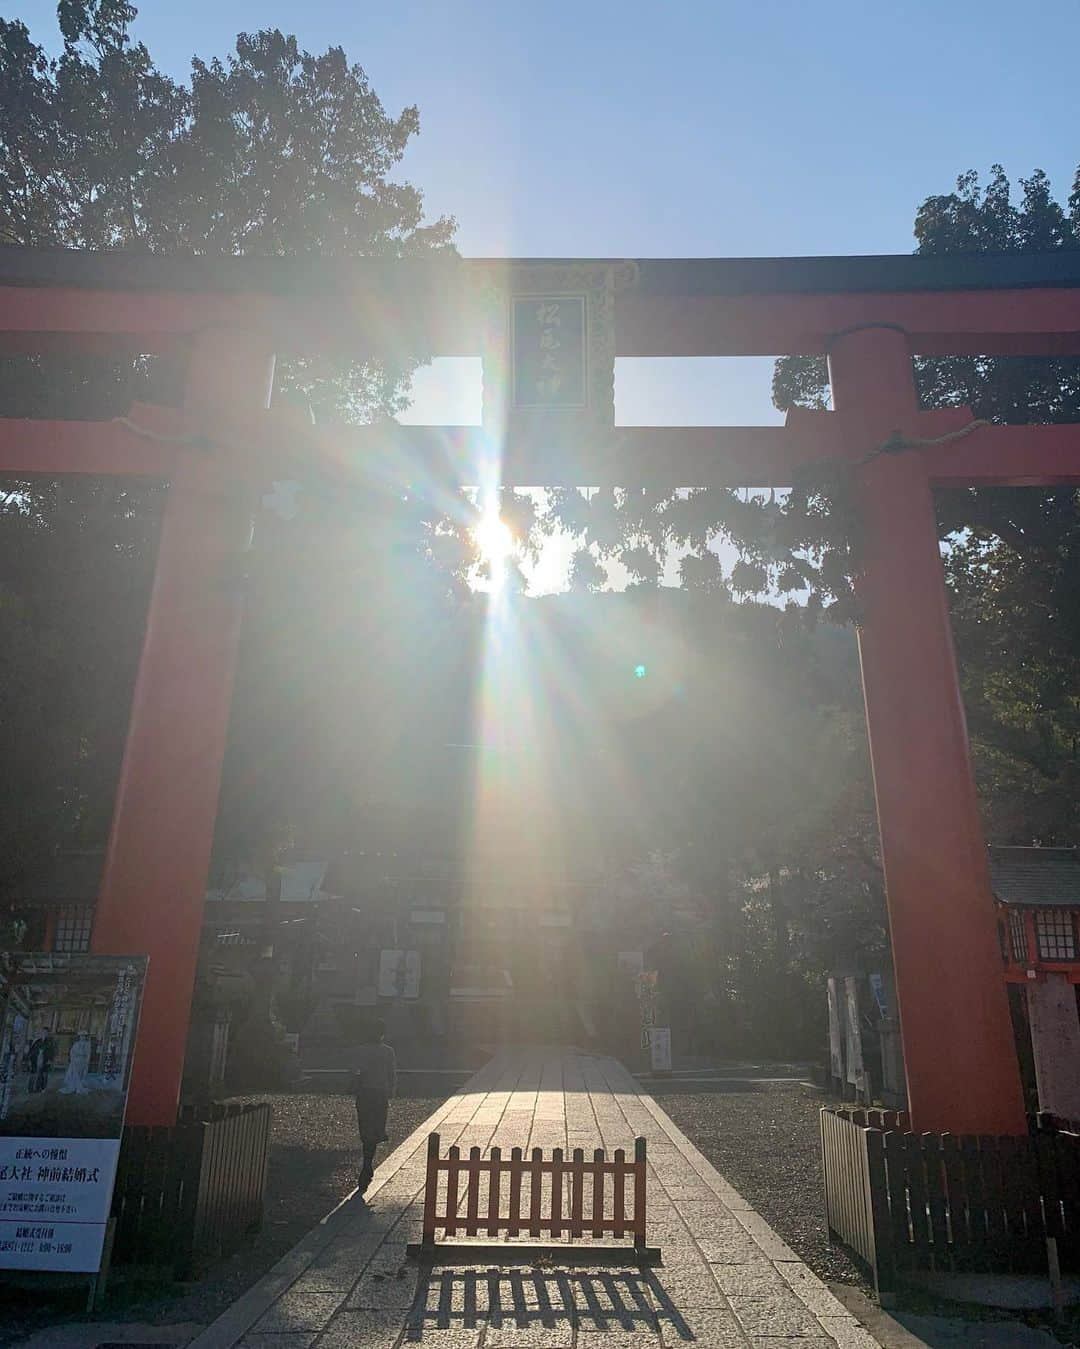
727,1279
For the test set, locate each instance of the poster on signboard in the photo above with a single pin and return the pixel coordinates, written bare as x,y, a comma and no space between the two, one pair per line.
853,1030
660,1049
836,1052
399,974
67,1039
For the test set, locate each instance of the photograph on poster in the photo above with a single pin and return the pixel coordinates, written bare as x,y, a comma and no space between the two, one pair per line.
67,1025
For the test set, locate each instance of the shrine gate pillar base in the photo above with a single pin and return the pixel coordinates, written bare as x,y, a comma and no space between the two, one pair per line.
962,1069
154,884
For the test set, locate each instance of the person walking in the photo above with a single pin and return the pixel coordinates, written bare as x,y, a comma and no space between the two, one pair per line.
374,1083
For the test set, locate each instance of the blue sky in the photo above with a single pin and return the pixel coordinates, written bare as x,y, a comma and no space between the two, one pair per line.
684,129
587,128
632,130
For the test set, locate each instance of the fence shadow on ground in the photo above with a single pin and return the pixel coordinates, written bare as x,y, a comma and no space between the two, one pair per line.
552,1300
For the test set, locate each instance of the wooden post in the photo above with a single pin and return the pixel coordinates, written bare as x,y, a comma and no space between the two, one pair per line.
493,1193
598,1193
557,1165
880,1220
536,1186
639,1194
453,1170
516,1168
472,1193
619,1193
431,1188
577,1186
1053,1265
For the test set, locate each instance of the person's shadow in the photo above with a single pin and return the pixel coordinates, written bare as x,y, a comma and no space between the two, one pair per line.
564,1299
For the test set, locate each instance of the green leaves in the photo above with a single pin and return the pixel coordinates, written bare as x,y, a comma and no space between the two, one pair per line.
272,150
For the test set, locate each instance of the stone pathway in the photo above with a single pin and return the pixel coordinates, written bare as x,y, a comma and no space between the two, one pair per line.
727,1279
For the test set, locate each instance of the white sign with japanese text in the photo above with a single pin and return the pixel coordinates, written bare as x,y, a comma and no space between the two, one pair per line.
67,1038
660,1049
55,1195
68,1248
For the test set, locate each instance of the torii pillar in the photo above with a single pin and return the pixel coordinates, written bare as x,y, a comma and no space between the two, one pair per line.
961,1064
166,802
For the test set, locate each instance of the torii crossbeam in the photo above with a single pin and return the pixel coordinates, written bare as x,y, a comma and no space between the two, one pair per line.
868,315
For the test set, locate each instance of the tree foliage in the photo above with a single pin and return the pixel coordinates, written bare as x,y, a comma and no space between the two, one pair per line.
1013,554
67,661
272,150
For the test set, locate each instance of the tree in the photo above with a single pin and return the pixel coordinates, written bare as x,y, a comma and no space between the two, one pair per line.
1011,560
272,150
1013,557
67,661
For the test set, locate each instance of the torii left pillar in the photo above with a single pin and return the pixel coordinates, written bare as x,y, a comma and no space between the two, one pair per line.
154,884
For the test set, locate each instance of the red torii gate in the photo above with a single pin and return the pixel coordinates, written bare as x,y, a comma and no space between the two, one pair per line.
869,315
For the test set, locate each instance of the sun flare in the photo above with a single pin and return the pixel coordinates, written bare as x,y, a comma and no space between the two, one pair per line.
495,540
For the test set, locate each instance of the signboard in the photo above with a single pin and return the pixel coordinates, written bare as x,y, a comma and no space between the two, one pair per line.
660,1049
67,1038
877,987
836,1049
399,974
301,882
853,1032
645,986
548,351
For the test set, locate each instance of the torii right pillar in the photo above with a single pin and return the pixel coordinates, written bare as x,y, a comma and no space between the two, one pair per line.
962,1069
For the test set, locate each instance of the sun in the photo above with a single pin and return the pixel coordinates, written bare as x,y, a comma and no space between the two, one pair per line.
495,540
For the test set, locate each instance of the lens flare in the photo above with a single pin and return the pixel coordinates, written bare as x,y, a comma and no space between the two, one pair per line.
496,543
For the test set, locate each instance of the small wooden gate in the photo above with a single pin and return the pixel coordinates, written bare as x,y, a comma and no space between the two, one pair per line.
556,1196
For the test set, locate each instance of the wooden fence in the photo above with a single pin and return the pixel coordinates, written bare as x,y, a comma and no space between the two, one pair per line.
558,1197
188,1194
904,1201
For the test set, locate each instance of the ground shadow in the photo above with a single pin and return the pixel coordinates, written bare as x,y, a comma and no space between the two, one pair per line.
595,1300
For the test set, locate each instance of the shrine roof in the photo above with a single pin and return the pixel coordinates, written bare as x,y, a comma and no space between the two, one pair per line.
1036,877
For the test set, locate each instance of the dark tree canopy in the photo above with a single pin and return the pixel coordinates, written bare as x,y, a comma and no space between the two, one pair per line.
1013,561
272,150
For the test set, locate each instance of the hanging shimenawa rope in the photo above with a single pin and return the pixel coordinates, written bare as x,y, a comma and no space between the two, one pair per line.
898,443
